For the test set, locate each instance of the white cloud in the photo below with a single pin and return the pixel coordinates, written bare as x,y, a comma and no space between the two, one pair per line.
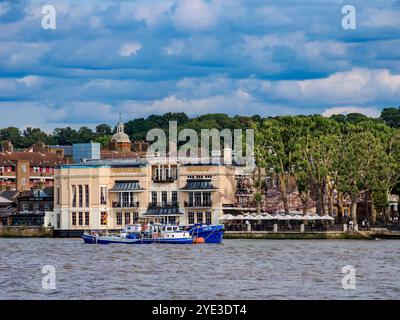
358,86
369,112
30,81
129,49
376,18
194,15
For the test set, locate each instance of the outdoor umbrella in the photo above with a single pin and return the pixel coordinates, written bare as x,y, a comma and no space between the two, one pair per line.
297,217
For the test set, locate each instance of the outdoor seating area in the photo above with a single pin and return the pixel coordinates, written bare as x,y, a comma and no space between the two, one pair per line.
284,223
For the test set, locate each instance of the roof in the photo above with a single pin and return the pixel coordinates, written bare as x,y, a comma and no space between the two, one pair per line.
114,163
199,184
35,158
67,149
10,195
4,200
110,154
163,211
126,186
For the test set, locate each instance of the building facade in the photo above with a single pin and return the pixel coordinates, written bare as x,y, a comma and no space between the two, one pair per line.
23,170
108,194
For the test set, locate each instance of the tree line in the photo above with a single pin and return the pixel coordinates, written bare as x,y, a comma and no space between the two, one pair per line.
137,128
330,161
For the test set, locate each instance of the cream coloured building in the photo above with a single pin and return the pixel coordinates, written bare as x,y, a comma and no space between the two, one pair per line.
107,194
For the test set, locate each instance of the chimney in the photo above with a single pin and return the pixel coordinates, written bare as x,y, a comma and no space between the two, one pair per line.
7,146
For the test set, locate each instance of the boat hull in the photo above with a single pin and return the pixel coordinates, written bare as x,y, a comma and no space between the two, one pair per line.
109,240
210,234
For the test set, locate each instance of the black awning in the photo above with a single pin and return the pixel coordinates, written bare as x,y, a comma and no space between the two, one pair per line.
121,186
163,211
199,184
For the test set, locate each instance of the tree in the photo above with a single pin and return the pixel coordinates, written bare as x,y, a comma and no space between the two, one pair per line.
279,137
391,116
11,134
358,163
65,136
103,129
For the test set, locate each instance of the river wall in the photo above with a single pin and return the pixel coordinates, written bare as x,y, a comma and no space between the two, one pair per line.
25,231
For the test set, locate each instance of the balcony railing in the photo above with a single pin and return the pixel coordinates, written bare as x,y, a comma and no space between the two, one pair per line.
203,204
172,204
170,179
117,204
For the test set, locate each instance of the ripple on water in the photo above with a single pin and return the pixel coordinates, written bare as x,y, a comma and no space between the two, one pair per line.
237,269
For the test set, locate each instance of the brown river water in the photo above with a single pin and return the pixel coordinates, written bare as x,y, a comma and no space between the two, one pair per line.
236,269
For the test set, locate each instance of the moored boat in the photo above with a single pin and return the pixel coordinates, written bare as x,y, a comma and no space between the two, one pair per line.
210,233
135,234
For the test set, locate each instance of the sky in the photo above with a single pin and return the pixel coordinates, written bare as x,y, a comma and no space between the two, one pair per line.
195,56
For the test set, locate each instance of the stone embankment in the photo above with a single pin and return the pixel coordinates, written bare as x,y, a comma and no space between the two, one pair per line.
26,231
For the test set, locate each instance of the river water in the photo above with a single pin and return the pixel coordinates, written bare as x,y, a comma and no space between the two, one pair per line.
237,269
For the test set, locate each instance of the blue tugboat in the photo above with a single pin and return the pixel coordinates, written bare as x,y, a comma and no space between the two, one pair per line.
210,233
134,234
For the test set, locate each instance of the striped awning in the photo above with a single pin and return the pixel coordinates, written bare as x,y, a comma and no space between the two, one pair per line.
121,186
162,211
199,184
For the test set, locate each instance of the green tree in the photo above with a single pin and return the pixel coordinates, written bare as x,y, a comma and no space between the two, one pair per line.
391,116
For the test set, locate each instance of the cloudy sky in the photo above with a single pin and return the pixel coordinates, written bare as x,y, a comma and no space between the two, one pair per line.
266,57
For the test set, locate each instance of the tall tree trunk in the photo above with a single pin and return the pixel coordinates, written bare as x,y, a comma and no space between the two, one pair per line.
339,203
373,213
366,206
353,211
259,188
304,198
283,190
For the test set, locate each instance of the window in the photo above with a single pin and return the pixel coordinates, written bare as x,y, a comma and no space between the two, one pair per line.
23,181
135,216
164,197
199,217
80,196
80,218
103,195
208,218
36,207
58,195
74,196
47,206
119,218
87,196
172,220
103,218
191,217
197,199
25,207
23,168
174,197
207,198
127,217
86,218
74,218
125,199
154,197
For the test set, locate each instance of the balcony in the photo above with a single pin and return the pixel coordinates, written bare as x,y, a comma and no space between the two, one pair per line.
172,204
157,179
203,204
117,204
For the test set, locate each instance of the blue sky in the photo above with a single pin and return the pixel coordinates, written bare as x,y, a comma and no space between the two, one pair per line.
195,56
